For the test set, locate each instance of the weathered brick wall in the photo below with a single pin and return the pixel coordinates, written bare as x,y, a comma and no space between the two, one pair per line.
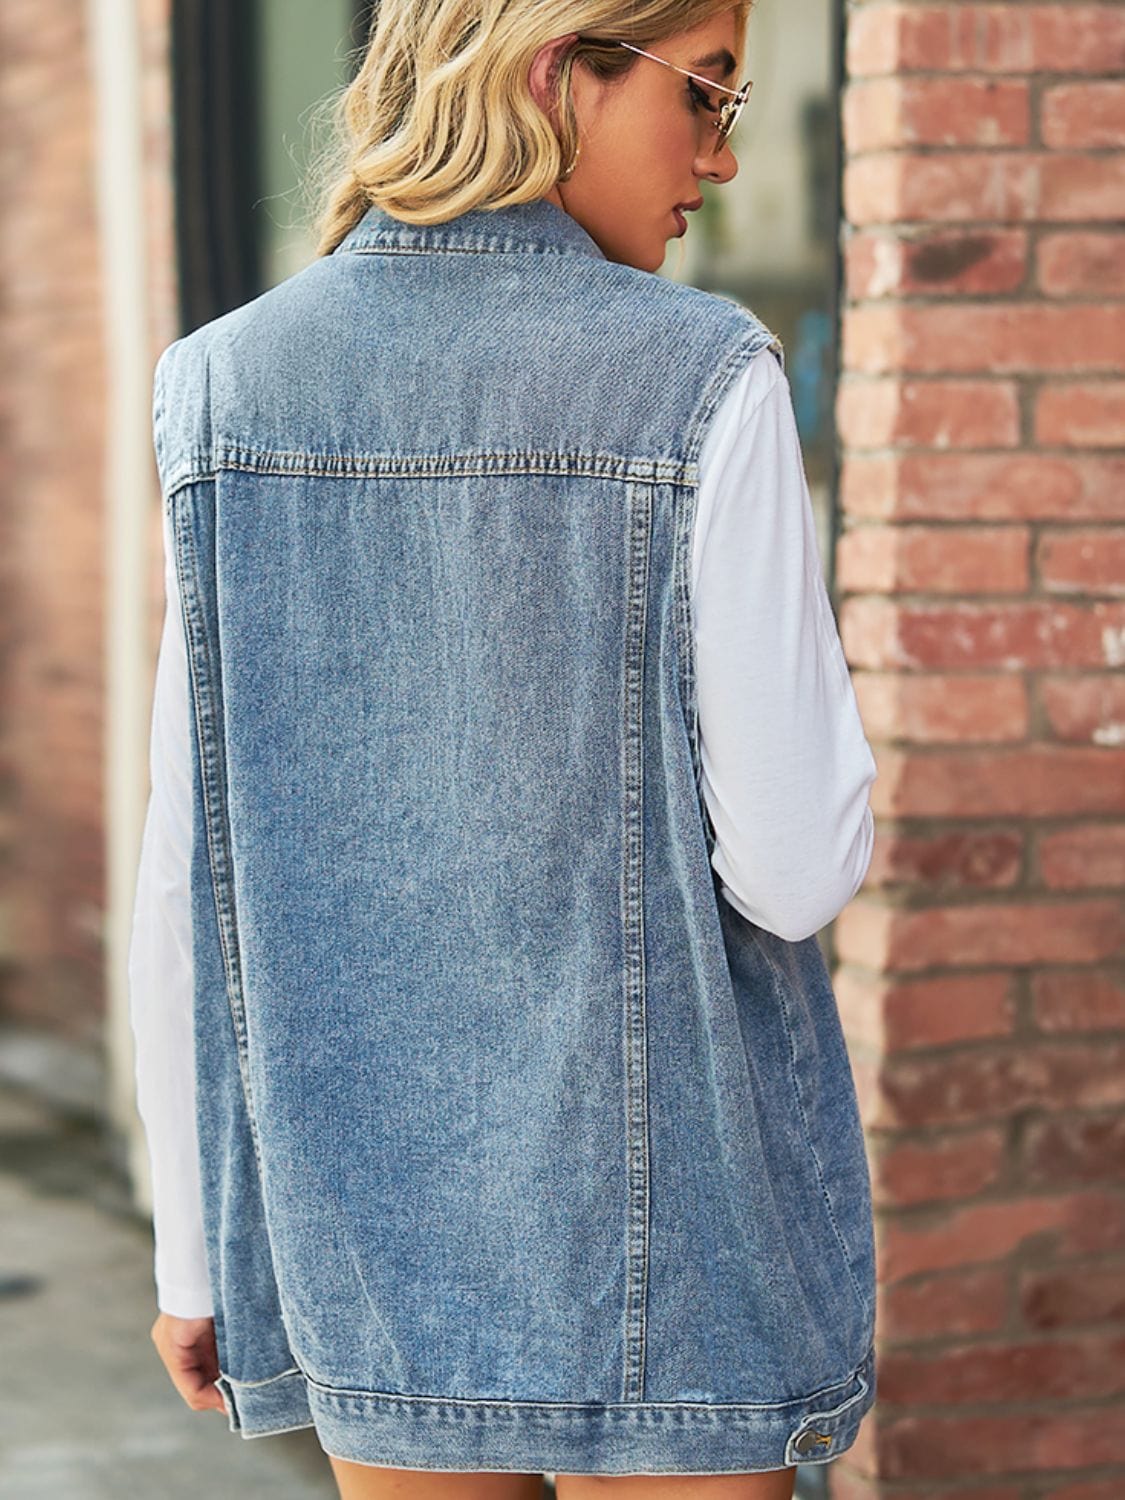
53,375
52,393
982,569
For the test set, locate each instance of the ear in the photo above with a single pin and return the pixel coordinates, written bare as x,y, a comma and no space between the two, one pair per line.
543,72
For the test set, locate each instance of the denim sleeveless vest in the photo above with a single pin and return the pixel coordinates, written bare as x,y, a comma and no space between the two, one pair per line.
521,1148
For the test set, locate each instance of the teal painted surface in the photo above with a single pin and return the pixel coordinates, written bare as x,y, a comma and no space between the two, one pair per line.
303,56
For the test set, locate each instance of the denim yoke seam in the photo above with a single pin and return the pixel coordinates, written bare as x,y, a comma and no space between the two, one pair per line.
779,991
241,457
448,250
639,512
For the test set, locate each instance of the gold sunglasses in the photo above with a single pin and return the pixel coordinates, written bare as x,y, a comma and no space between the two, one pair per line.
728,111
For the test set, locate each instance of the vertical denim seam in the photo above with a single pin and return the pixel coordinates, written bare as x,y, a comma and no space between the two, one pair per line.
686,501
639,511
215,816
846,1254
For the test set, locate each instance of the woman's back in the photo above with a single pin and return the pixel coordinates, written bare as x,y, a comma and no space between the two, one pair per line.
506,1112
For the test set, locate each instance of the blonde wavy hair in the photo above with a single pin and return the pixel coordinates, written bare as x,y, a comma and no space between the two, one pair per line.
440,117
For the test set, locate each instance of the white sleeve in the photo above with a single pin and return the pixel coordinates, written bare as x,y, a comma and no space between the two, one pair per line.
787,769
160,980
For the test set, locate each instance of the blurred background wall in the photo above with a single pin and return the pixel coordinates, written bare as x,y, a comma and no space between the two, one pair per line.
58,385
948,282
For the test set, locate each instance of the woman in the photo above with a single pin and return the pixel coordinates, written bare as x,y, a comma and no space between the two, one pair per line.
505,764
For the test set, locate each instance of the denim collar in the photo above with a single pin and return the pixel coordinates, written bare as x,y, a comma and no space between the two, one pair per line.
515,228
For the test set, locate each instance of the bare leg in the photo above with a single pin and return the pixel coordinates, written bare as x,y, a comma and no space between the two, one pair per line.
371,1482
773,1484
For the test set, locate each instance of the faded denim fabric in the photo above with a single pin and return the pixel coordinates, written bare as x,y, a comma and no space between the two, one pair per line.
521,1148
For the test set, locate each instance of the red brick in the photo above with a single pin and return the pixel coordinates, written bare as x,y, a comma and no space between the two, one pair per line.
1088,1222
1081,415
888,187
865,1072
1059,1297
1086,1367
859,1000
1073,1149
969,486
937,708
950,1088
1026,933
1033,782
906,1014
1084,264
928,413
896,263
1083,562
1081,858
986,38
1078,1000
931,1446
947,861
897,111
949,1304
1090,709
1081,187
1083,114
940,1166
871,114
896,633
1075,38
933,560
1014,337
1091,1489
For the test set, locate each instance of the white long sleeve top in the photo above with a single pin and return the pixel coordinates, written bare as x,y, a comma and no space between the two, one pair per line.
787,772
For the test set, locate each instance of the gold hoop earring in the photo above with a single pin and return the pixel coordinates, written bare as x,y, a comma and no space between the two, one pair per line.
566,176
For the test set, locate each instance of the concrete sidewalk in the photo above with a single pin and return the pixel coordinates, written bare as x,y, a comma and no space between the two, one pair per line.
86,1408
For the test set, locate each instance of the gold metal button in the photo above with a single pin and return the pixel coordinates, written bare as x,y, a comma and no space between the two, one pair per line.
810,1440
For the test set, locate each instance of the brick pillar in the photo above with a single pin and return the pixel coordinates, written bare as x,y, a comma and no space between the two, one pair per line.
982,571
52,378
52,538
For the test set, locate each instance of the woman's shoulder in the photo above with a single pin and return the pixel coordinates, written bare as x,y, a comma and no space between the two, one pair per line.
682,305
690,343
223,353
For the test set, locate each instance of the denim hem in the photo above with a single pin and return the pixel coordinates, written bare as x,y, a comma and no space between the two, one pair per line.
261,1408
451,1434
